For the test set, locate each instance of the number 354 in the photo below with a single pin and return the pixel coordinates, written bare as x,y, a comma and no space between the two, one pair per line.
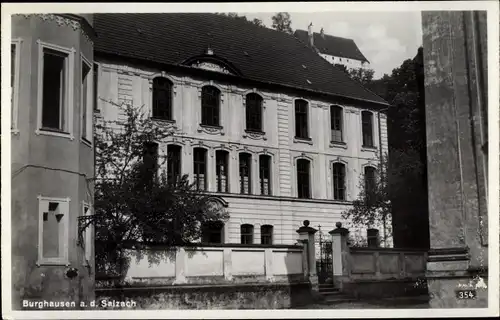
466,294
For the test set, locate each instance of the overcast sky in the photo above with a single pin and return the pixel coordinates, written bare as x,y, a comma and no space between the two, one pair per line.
385,38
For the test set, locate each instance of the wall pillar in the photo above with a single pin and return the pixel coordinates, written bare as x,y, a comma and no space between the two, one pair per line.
180,266
454,51
306,236
340,255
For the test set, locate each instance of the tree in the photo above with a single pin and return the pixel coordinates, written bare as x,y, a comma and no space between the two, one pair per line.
258,22
362,75
373,206
134,202
234,15
282,22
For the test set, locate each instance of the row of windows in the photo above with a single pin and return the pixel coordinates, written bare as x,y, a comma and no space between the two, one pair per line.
210,112
245,172
213,232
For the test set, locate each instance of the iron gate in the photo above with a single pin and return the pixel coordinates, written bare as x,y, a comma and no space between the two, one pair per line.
324,265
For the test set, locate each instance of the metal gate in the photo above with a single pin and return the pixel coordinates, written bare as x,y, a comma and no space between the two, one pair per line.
324,265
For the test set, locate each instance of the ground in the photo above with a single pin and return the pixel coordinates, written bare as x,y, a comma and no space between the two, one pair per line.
414,303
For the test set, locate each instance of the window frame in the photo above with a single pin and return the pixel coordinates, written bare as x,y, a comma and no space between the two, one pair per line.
204,165
241,177
344,181
258,112
170,163
269,234
170,109
269,178
62,259
207,230
69,63
366,180
250,233
372,130
16,68
226,157
89,108
307,117
217,107
309,196
332,124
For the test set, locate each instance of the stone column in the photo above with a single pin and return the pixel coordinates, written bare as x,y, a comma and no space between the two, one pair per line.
306,236
340,255
455,67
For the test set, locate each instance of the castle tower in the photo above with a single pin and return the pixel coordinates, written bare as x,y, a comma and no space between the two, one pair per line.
52,158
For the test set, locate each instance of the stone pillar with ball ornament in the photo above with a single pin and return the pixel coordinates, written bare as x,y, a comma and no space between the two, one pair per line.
340,255
306,236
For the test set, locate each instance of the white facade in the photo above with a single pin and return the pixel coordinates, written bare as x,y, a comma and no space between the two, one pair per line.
348,62
283,210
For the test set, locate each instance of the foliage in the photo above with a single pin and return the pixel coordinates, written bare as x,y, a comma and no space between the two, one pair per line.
134,203
282,22
362,75
234,15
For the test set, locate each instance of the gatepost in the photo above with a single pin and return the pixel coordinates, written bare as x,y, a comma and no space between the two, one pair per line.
340,255
306,236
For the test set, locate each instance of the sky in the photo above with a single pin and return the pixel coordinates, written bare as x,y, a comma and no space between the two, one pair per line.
385,38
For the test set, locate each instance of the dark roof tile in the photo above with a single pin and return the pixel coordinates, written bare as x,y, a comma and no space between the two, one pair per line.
259,53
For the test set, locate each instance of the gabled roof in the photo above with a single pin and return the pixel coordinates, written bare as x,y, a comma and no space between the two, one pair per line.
331,45
258,53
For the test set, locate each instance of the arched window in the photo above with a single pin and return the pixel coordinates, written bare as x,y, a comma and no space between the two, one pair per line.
266,234
246,234
301,114
338,176
245,173
370,180
210,106
303,178
265,174
213,232
254,112
336,124
367,126
200,168
162,98
222,160
173,163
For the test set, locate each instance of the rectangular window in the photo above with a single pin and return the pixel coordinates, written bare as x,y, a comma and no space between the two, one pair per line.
213,232
266,234
96,87
301,127
338,181
200,168
303,172
222,170
246,234
367,127
150,158
245,171
86,94
336,124
54,94
53,231
173,163
265,174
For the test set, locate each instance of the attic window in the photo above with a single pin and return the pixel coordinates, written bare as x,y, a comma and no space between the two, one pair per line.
308,81
246,53
303,66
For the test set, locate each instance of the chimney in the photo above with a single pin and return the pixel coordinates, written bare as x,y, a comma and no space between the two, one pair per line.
310,33
322,33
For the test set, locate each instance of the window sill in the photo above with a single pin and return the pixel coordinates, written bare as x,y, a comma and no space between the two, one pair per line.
368,148
61,262
53,132
211,129
338,144
255,135
162,120
303,140
14,131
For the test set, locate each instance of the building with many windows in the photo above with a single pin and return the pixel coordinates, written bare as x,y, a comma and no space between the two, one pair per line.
336,50
263,123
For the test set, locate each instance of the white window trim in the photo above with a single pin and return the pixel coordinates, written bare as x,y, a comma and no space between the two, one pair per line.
222,113
271,172
88,235
347,181
263,109
309,122
295,186
64,260
15,97
70,76
336,144
374,136
175,87
90,102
